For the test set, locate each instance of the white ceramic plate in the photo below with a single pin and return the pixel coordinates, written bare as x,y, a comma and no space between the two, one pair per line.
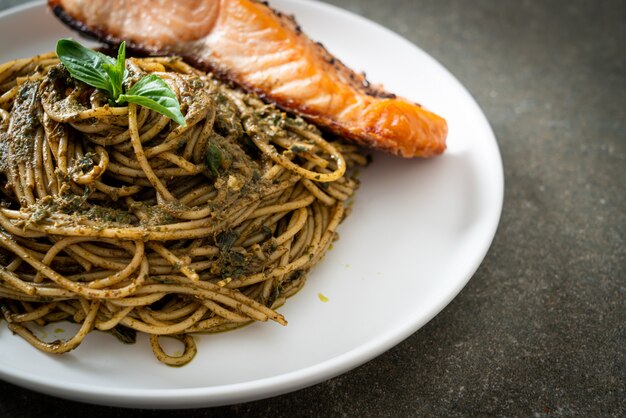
417,233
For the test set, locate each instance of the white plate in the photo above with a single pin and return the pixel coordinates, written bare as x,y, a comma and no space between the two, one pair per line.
417,233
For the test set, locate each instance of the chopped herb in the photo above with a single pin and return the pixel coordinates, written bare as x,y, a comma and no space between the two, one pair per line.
226,239
124,334
298,149
213,159
267,233
273,296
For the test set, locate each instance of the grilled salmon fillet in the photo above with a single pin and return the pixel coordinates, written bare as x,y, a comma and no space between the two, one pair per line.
265,52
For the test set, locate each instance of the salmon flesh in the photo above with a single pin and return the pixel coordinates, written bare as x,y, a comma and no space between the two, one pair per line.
265,52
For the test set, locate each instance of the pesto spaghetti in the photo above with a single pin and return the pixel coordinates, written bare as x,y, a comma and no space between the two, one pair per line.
121,220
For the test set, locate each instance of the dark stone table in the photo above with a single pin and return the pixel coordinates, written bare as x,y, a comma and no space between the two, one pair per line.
540,329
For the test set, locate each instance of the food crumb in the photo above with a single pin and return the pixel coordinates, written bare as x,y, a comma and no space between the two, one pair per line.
322,297
59,330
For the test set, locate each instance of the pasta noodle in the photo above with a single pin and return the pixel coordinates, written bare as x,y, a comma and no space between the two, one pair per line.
120,220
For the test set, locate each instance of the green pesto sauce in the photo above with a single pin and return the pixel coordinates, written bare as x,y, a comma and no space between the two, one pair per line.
24,125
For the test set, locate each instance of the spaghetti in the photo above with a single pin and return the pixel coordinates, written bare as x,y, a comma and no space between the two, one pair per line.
120,220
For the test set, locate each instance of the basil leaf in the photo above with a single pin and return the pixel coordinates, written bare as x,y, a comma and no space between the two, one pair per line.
116,72
116,82
154,93
121,60
85,64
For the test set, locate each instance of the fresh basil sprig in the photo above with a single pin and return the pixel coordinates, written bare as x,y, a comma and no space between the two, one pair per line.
117,72
107,74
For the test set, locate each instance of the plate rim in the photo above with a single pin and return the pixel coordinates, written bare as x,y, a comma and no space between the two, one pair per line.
297,379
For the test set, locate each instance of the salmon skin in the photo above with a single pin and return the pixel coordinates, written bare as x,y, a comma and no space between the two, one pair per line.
265,52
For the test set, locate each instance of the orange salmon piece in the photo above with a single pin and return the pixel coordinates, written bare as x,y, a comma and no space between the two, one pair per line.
265,52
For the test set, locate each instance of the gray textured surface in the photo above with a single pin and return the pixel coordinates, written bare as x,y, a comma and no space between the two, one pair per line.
540,329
